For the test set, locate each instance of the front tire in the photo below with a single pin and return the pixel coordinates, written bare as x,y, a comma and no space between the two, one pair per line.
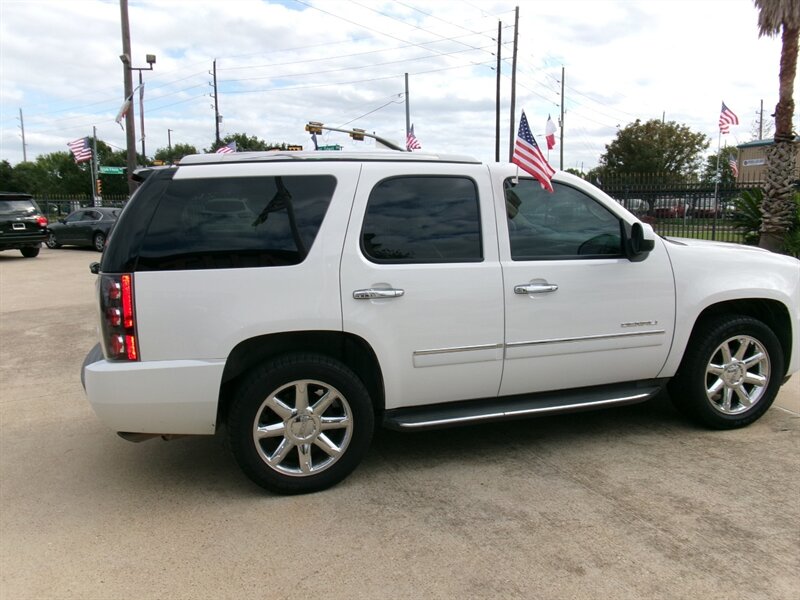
300,423
730,374
99,241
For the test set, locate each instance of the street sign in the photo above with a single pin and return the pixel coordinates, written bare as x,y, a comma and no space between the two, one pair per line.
112,170
333,147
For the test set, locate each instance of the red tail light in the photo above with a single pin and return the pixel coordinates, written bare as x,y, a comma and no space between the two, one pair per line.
118,314
41,221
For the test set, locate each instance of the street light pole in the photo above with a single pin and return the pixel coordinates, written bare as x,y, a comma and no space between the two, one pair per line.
151,60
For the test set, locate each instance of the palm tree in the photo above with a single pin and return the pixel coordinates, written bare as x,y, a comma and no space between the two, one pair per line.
778,209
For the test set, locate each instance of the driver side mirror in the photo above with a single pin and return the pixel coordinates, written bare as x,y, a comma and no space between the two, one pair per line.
637,246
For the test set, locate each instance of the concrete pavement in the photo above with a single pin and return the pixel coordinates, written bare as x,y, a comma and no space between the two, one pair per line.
627,503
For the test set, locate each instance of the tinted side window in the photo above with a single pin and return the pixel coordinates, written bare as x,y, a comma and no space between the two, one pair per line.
236,222
564,224
423,220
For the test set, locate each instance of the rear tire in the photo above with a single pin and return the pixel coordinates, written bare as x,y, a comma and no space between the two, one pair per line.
99,241
51,242
300,423
29,252
730,373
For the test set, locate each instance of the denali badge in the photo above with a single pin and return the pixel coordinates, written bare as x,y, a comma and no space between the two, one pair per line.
638,323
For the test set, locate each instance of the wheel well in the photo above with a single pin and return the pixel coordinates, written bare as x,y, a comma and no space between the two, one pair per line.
770,312
348,349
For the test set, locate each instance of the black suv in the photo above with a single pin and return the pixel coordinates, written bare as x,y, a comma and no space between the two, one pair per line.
23,227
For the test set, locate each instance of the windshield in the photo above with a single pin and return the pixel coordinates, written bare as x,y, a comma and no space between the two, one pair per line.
8,207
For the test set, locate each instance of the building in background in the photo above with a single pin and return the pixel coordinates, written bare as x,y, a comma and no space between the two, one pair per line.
753,160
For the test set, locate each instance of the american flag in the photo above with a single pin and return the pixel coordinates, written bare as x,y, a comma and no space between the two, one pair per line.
80,149
734,166
529,158
229,148
412,143
726,119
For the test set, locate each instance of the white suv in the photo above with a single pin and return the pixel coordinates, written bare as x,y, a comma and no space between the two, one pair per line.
302,297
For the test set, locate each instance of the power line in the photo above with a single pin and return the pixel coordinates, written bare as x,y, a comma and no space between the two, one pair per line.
407,24
361,25
348,68
364,53
338,83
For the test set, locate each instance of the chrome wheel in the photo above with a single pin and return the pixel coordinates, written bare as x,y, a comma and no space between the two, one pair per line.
303,428
737,375
99,241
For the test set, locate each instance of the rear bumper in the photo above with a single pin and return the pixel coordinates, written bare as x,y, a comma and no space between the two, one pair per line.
160,397
15,242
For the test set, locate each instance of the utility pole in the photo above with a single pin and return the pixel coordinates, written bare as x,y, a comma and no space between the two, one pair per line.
760,122
497,100
408,114
217,118
512,137
169,140
95,164
561,125
130,133
22,127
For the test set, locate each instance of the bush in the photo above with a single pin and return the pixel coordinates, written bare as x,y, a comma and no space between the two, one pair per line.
747,218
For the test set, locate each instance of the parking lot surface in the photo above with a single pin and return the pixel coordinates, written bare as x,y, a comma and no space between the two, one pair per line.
633,502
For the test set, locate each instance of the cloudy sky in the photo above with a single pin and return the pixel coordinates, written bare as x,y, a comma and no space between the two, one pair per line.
281,63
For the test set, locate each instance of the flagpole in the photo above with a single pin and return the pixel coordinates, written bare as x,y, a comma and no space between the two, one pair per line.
716,188
91,175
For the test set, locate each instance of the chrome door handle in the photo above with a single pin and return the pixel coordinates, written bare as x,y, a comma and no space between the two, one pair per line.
535,288
371,293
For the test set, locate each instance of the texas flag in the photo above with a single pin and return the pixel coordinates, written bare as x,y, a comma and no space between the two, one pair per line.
550,133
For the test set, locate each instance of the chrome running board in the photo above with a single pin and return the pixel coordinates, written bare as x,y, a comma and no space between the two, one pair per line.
519,407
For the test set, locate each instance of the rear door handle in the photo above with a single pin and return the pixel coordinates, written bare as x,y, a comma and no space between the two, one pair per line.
535,288
371,293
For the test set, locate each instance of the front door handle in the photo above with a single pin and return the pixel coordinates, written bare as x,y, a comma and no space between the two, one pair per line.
535,288
371,293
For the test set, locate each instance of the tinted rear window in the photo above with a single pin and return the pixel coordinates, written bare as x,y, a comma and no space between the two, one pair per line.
8,207
236,222
416,219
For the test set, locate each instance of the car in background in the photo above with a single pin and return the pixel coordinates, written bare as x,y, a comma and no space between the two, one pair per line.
637,206
88,227
23,227
703,208
669,208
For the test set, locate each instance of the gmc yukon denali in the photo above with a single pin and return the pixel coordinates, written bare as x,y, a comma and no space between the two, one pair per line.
301,299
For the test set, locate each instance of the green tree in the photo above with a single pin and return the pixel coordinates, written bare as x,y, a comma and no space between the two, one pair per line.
7,183
575,172
725,171
780,17
58,174
244,143
666,149
175,154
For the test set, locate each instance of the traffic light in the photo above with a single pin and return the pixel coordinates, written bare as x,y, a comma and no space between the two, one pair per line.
294,148
357,134
99,185
314,127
